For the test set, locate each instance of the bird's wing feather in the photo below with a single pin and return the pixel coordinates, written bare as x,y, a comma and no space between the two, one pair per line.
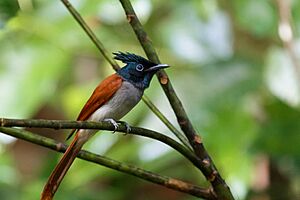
103,93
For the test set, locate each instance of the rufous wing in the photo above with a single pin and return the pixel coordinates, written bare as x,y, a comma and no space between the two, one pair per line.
102,94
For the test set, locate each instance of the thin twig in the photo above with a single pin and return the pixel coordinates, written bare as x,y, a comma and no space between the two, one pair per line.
176,132
113,164
210,171
115,66
91,35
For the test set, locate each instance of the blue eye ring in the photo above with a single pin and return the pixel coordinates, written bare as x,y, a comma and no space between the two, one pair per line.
139,67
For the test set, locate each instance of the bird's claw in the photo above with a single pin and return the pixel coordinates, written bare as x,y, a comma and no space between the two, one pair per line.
116,125
128,128
113,122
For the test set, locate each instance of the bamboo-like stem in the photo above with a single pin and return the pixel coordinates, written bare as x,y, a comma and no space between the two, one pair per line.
210,171
176,132
68,124
91,34
165,181
115,66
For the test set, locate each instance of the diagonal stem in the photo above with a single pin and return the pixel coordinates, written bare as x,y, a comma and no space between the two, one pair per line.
210,171
91,34
115,66
176,132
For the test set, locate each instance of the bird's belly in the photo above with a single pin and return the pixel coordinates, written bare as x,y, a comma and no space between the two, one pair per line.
120,104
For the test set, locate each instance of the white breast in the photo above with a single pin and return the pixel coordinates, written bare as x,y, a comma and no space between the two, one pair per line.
120,104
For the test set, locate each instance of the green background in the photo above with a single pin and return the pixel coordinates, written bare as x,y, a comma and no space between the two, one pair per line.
230,68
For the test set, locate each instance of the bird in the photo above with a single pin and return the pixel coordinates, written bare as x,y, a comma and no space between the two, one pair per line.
112,99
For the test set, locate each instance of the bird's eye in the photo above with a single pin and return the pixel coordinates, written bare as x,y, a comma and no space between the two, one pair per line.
139,67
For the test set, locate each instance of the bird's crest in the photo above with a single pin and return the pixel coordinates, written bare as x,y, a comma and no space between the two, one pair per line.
130,57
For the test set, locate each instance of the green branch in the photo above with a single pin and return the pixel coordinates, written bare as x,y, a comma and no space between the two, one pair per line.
165,181
171,127
115,66
67,124
91,35
210,171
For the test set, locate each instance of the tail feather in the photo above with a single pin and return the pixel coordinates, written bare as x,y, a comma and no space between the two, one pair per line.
61,169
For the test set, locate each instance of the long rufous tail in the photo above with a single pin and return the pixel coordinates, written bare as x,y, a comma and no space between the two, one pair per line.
61,168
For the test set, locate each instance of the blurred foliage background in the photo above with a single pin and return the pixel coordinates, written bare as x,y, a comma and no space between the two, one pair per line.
234,64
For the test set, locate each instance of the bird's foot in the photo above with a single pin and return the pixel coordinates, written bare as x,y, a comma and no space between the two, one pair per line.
113,122
128,128
116,124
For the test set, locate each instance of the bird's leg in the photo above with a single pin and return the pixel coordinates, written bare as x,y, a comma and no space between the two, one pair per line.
113,122
116,124
128,128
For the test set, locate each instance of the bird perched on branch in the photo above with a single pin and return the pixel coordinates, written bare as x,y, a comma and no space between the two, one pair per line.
113,98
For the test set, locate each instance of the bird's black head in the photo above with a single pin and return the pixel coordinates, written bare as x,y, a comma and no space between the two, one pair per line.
138,70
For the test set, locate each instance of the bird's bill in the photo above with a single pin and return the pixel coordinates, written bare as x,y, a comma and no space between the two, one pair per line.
157,67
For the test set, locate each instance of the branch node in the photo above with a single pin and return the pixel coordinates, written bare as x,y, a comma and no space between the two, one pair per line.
197,139
206,162
178,183
164,79
60,146
182,122
130,17
213,175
